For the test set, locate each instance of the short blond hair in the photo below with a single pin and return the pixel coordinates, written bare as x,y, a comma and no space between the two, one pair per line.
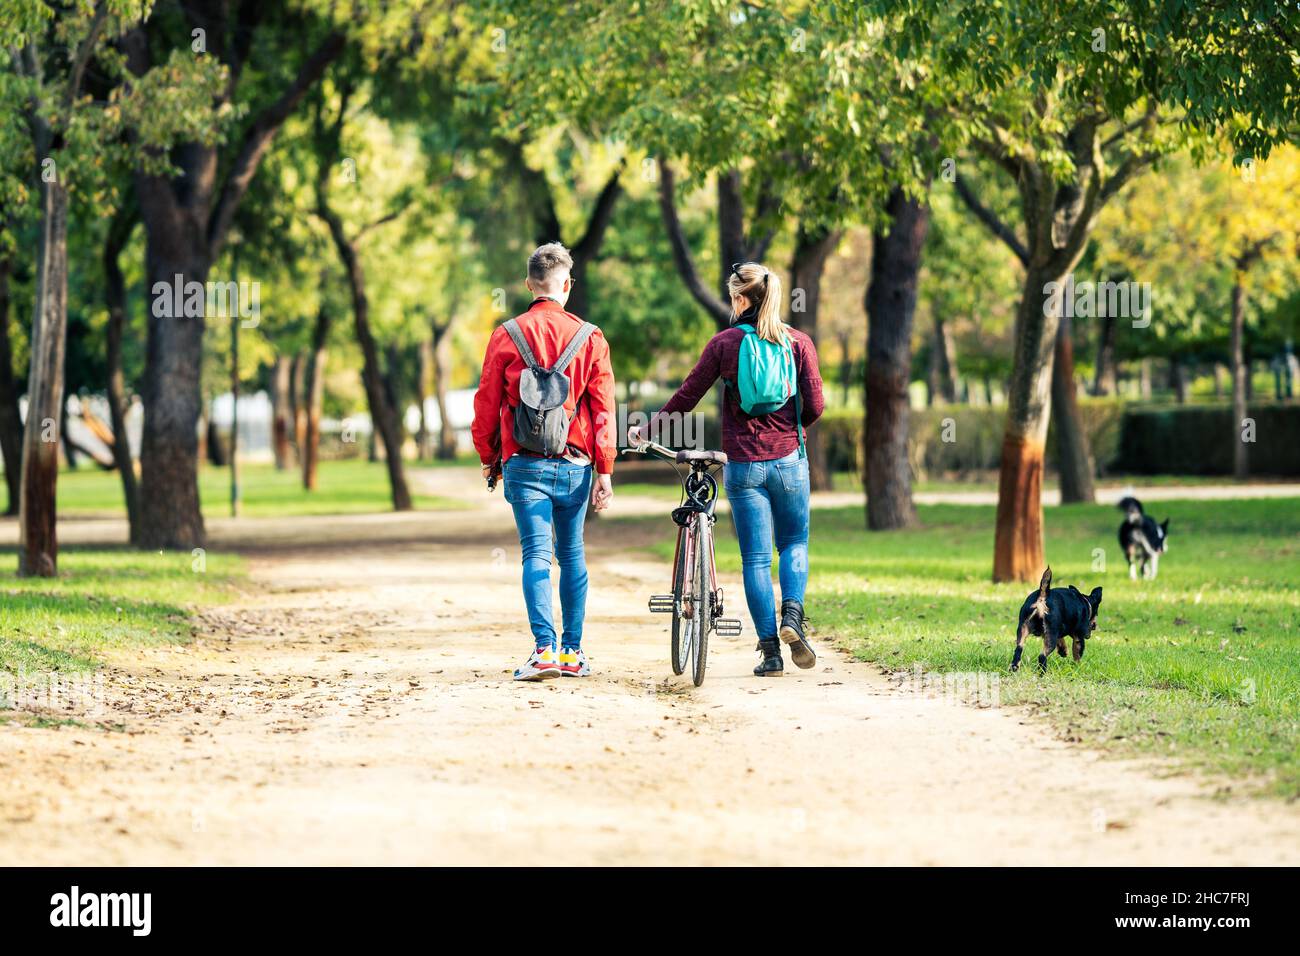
548,259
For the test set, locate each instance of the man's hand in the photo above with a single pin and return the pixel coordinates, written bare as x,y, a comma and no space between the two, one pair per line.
487,470
602,492
636,436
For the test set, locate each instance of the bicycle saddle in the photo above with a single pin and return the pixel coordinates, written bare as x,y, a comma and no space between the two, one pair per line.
715,457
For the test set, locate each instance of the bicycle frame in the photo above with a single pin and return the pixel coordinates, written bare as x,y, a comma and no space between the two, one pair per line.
694,614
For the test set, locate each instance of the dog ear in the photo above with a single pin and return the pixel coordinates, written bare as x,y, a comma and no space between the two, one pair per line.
1095,598
1164,526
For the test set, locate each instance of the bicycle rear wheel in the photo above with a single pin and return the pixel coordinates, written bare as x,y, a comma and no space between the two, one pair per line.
703,596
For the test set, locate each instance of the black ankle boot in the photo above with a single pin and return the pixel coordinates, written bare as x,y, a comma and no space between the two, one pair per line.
792,632
771,665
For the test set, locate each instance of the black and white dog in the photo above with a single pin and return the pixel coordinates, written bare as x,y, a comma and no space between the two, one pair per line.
1142,539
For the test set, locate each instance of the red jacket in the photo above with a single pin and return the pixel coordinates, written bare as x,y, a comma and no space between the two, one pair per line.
548,329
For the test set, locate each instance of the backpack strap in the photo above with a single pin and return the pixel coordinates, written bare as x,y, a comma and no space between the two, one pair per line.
575,343
798,402
517,335
748,330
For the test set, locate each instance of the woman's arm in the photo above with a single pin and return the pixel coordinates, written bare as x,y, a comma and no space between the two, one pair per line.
697,384
811,400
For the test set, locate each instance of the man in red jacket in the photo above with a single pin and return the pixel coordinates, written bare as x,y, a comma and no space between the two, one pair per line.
549,493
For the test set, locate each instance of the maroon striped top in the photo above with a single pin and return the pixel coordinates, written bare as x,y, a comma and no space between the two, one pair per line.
745,437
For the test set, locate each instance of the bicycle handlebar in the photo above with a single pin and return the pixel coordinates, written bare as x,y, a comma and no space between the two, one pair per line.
659,451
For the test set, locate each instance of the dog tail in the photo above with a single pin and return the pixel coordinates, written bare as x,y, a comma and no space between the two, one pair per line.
1132,509
1045,585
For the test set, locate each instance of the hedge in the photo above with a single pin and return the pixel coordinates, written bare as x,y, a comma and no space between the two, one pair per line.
1197,440
975,435
1176,439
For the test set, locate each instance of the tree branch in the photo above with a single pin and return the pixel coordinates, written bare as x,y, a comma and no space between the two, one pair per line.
717,309
258,139
537,192
1131,166
990,219
601,215
84,52
388,217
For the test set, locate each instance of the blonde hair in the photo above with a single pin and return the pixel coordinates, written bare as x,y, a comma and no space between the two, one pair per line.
762,287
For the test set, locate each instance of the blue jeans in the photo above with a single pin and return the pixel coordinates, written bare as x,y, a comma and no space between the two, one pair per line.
549,496
770,497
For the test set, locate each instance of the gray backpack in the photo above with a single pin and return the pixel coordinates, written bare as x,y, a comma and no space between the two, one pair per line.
540,422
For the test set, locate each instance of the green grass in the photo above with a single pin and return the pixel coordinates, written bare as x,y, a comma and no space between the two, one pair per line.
988,481
665,492
103,599
344,487
1201,666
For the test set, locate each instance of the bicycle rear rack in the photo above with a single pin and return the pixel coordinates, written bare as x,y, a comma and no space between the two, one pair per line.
728,626
662,604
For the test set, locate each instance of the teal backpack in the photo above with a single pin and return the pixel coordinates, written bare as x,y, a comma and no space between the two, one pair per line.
766,377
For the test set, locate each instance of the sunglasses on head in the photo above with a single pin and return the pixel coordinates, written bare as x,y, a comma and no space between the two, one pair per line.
735,271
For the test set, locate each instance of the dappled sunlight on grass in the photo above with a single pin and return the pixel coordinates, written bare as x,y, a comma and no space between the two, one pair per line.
1202,664
103,599
345,487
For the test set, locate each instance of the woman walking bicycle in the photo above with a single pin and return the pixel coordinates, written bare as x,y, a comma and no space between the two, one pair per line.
773,390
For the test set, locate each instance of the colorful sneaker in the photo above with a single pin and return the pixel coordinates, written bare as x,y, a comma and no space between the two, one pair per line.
541,665
573,663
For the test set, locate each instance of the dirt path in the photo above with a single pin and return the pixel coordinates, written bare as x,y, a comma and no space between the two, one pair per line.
356,707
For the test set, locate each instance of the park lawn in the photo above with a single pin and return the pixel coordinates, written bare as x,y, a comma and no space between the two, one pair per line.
988,481
644,489
1201,666
103,599
353,486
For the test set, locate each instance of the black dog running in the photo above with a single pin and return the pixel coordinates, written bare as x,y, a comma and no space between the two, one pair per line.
1054,614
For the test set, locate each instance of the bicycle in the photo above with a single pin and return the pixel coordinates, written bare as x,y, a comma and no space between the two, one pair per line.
696,600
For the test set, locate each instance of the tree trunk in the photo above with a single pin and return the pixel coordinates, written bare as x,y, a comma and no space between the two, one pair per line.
395,391
69,452
1018,538
943,363
383,416
812,248
1240,452
313,395
1144,378
115,298
424,437
38,546
214,443
297,397
11,422
441,378
1178,379
891,304
170,516
234,415
1074,456
846,367
281,411
1103,381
